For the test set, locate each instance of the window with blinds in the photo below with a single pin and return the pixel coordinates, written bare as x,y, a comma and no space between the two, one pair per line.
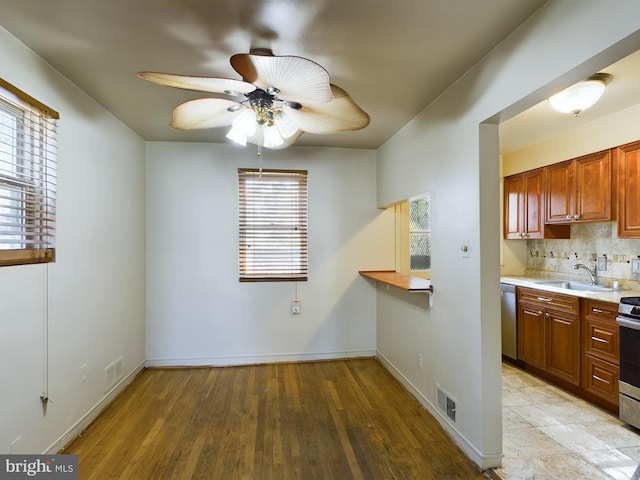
272,225
27,178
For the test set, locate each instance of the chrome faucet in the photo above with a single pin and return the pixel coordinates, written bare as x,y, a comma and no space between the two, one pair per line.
593,273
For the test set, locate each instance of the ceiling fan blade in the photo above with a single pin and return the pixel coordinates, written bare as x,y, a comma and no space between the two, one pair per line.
204,113
296,78
200,84
342,114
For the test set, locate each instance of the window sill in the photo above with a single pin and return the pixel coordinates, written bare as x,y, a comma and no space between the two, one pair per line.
399,280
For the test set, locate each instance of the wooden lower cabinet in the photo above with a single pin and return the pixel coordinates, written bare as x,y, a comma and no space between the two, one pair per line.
601,379
549,333
601,347
572,342
563,346
531,335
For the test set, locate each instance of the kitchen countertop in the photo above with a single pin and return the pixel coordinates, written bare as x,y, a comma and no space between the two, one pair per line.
613,296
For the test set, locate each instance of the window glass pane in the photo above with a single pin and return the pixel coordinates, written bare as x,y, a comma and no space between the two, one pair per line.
419,251
8,141
11,223
420,214
420,233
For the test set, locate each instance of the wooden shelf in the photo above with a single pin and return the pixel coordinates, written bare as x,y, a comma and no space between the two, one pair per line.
399,280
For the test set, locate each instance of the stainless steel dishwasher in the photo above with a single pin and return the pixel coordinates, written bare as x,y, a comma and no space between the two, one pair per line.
509,327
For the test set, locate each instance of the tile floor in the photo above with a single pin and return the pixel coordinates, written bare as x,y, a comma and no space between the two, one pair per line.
549,434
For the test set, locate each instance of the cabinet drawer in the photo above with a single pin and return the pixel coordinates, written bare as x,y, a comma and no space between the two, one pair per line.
602,340
601,379
556,301
604,311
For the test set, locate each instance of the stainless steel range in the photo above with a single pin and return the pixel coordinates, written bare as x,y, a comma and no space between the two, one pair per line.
629,321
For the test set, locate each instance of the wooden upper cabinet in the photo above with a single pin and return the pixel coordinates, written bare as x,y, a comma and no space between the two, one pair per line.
513,206
580,190
627,160
559,192
524,208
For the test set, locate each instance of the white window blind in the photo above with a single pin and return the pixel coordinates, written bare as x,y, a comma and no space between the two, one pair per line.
27,178
272,225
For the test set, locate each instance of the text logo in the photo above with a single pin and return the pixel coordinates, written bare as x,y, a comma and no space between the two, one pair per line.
50,467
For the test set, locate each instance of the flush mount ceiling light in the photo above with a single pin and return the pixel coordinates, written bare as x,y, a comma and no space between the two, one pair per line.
278,99
580,96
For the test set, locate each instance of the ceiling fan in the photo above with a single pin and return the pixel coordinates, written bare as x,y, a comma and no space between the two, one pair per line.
278,99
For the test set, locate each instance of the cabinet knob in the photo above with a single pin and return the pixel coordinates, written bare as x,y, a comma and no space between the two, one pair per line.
547,315
576,216
568,217
539,312
522,234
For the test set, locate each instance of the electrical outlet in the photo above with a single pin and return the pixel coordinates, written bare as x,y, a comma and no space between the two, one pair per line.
420,362
635,265
602,264
295,307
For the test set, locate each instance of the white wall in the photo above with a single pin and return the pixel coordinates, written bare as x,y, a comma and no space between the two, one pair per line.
444,151
93,295
198,311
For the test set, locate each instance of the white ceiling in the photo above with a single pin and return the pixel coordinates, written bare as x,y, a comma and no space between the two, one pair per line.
541,122
393,58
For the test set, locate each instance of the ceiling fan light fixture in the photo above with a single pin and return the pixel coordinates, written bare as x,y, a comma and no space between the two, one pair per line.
243,127
580,96
287,128
271,137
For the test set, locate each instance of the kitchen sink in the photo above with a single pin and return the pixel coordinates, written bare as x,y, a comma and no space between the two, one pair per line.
576,286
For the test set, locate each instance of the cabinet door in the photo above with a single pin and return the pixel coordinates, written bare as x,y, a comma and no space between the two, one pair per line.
533,204
559,192
531,341
628,163
593,188
563,343
513,207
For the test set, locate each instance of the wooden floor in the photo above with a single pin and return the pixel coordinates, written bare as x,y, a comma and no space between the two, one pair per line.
323,420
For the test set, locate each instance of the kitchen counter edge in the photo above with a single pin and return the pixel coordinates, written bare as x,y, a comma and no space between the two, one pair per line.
605,296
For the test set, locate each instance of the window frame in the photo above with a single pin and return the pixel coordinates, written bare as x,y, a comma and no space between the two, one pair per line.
403,261
277,231
28,170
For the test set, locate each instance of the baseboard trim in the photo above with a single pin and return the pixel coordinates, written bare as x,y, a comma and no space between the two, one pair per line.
483,461
254,359
77,428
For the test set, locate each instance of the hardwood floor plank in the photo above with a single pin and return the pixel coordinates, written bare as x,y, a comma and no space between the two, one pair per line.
345,419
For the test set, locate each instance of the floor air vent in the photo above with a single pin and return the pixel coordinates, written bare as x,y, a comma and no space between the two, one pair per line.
446,403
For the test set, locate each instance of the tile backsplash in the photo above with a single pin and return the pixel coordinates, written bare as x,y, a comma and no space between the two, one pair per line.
588,242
